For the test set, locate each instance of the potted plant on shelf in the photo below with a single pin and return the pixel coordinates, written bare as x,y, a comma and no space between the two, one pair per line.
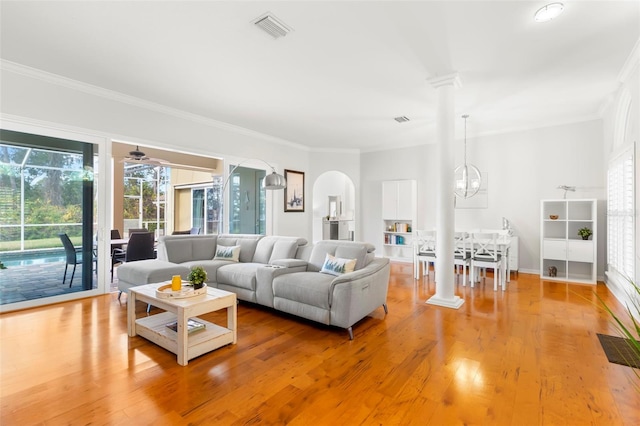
197,277
585,233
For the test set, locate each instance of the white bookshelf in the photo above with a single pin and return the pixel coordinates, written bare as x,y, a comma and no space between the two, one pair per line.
398,219
561,247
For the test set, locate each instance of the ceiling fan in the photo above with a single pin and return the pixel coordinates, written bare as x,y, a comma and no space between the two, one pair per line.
137,156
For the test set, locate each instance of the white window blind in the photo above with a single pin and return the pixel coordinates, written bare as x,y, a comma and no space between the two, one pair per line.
620,218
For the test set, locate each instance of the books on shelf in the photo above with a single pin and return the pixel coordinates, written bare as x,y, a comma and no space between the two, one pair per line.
394,239
192,326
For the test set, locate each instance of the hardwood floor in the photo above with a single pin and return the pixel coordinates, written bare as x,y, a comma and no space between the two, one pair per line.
528,356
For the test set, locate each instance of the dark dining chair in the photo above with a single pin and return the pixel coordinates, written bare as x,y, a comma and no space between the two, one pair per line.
134,230
117,252
73,254
140,247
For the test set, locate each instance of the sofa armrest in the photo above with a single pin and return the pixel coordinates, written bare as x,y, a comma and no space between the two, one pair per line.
290,263
356,294
266,274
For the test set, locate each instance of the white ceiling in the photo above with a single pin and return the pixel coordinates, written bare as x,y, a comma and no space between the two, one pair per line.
347,69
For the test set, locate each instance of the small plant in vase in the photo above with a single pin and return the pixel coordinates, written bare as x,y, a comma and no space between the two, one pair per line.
585,233
197,277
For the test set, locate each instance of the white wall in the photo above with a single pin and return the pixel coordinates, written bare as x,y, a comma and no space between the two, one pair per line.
522,168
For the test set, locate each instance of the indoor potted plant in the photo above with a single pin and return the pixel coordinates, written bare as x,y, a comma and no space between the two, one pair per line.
585,233
197,277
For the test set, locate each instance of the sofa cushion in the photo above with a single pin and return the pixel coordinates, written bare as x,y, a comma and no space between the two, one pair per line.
284,249
210,266
150,271
203,248
337,266
179,250
247,243
310,288
227,253
264,248
342,249
353,252
241,275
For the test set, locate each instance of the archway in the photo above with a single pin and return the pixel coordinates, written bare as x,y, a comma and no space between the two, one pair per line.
341,189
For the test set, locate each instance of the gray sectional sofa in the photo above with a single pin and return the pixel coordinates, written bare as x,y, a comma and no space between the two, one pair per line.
283,273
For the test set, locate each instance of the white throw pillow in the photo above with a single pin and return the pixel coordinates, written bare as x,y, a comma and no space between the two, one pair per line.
231,253
337,266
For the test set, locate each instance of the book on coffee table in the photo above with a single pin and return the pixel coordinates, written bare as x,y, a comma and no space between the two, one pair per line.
192,326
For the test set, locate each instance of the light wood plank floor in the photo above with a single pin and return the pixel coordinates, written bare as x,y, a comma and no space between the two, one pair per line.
526,357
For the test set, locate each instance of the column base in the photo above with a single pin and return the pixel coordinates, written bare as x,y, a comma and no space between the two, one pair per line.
453,303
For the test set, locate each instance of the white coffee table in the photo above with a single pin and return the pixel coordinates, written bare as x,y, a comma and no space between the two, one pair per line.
186,346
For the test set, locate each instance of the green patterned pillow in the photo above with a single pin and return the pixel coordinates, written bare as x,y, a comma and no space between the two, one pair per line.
337,266
231,253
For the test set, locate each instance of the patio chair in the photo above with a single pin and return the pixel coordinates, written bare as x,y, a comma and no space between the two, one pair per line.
73,254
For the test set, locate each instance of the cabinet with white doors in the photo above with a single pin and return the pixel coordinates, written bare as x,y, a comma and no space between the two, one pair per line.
564,254
399,213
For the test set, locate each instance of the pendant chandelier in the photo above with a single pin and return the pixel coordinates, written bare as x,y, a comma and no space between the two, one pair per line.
467,176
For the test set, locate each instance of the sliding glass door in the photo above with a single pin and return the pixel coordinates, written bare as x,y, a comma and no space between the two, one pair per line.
47,194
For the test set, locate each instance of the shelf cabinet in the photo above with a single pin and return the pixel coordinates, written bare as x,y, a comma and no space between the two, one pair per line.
398,219
564,255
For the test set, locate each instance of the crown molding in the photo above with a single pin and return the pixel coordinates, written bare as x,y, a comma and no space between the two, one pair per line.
631,63
140,103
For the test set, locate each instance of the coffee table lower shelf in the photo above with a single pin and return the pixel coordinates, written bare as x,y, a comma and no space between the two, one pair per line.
154,328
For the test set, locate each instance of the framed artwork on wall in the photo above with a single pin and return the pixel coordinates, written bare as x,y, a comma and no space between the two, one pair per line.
294,192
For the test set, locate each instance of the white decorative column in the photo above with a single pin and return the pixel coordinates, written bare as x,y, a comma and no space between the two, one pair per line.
445,214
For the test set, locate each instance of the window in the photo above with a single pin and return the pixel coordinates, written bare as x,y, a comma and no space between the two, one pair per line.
145,189
205,211
48,187
620,219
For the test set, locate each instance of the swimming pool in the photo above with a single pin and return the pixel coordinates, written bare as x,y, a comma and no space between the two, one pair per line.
32,257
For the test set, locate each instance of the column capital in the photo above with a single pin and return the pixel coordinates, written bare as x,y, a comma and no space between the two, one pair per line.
452,79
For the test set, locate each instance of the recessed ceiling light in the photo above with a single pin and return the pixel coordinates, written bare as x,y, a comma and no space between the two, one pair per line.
548,12
401,119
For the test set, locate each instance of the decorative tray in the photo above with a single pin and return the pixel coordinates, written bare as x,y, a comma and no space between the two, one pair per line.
165,292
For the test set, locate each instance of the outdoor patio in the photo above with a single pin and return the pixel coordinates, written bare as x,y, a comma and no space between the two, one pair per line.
27,282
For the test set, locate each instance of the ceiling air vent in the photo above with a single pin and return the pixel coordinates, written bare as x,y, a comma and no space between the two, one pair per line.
401,119
272,25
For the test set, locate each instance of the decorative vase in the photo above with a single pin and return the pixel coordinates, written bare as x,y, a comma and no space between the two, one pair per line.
197,285
585,237
553,271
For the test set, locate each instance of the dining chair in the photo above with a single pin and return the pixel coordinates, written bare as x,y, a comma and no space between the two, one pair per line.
140,247
485,254
424,252
117,252
134,230
73,255
462,255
